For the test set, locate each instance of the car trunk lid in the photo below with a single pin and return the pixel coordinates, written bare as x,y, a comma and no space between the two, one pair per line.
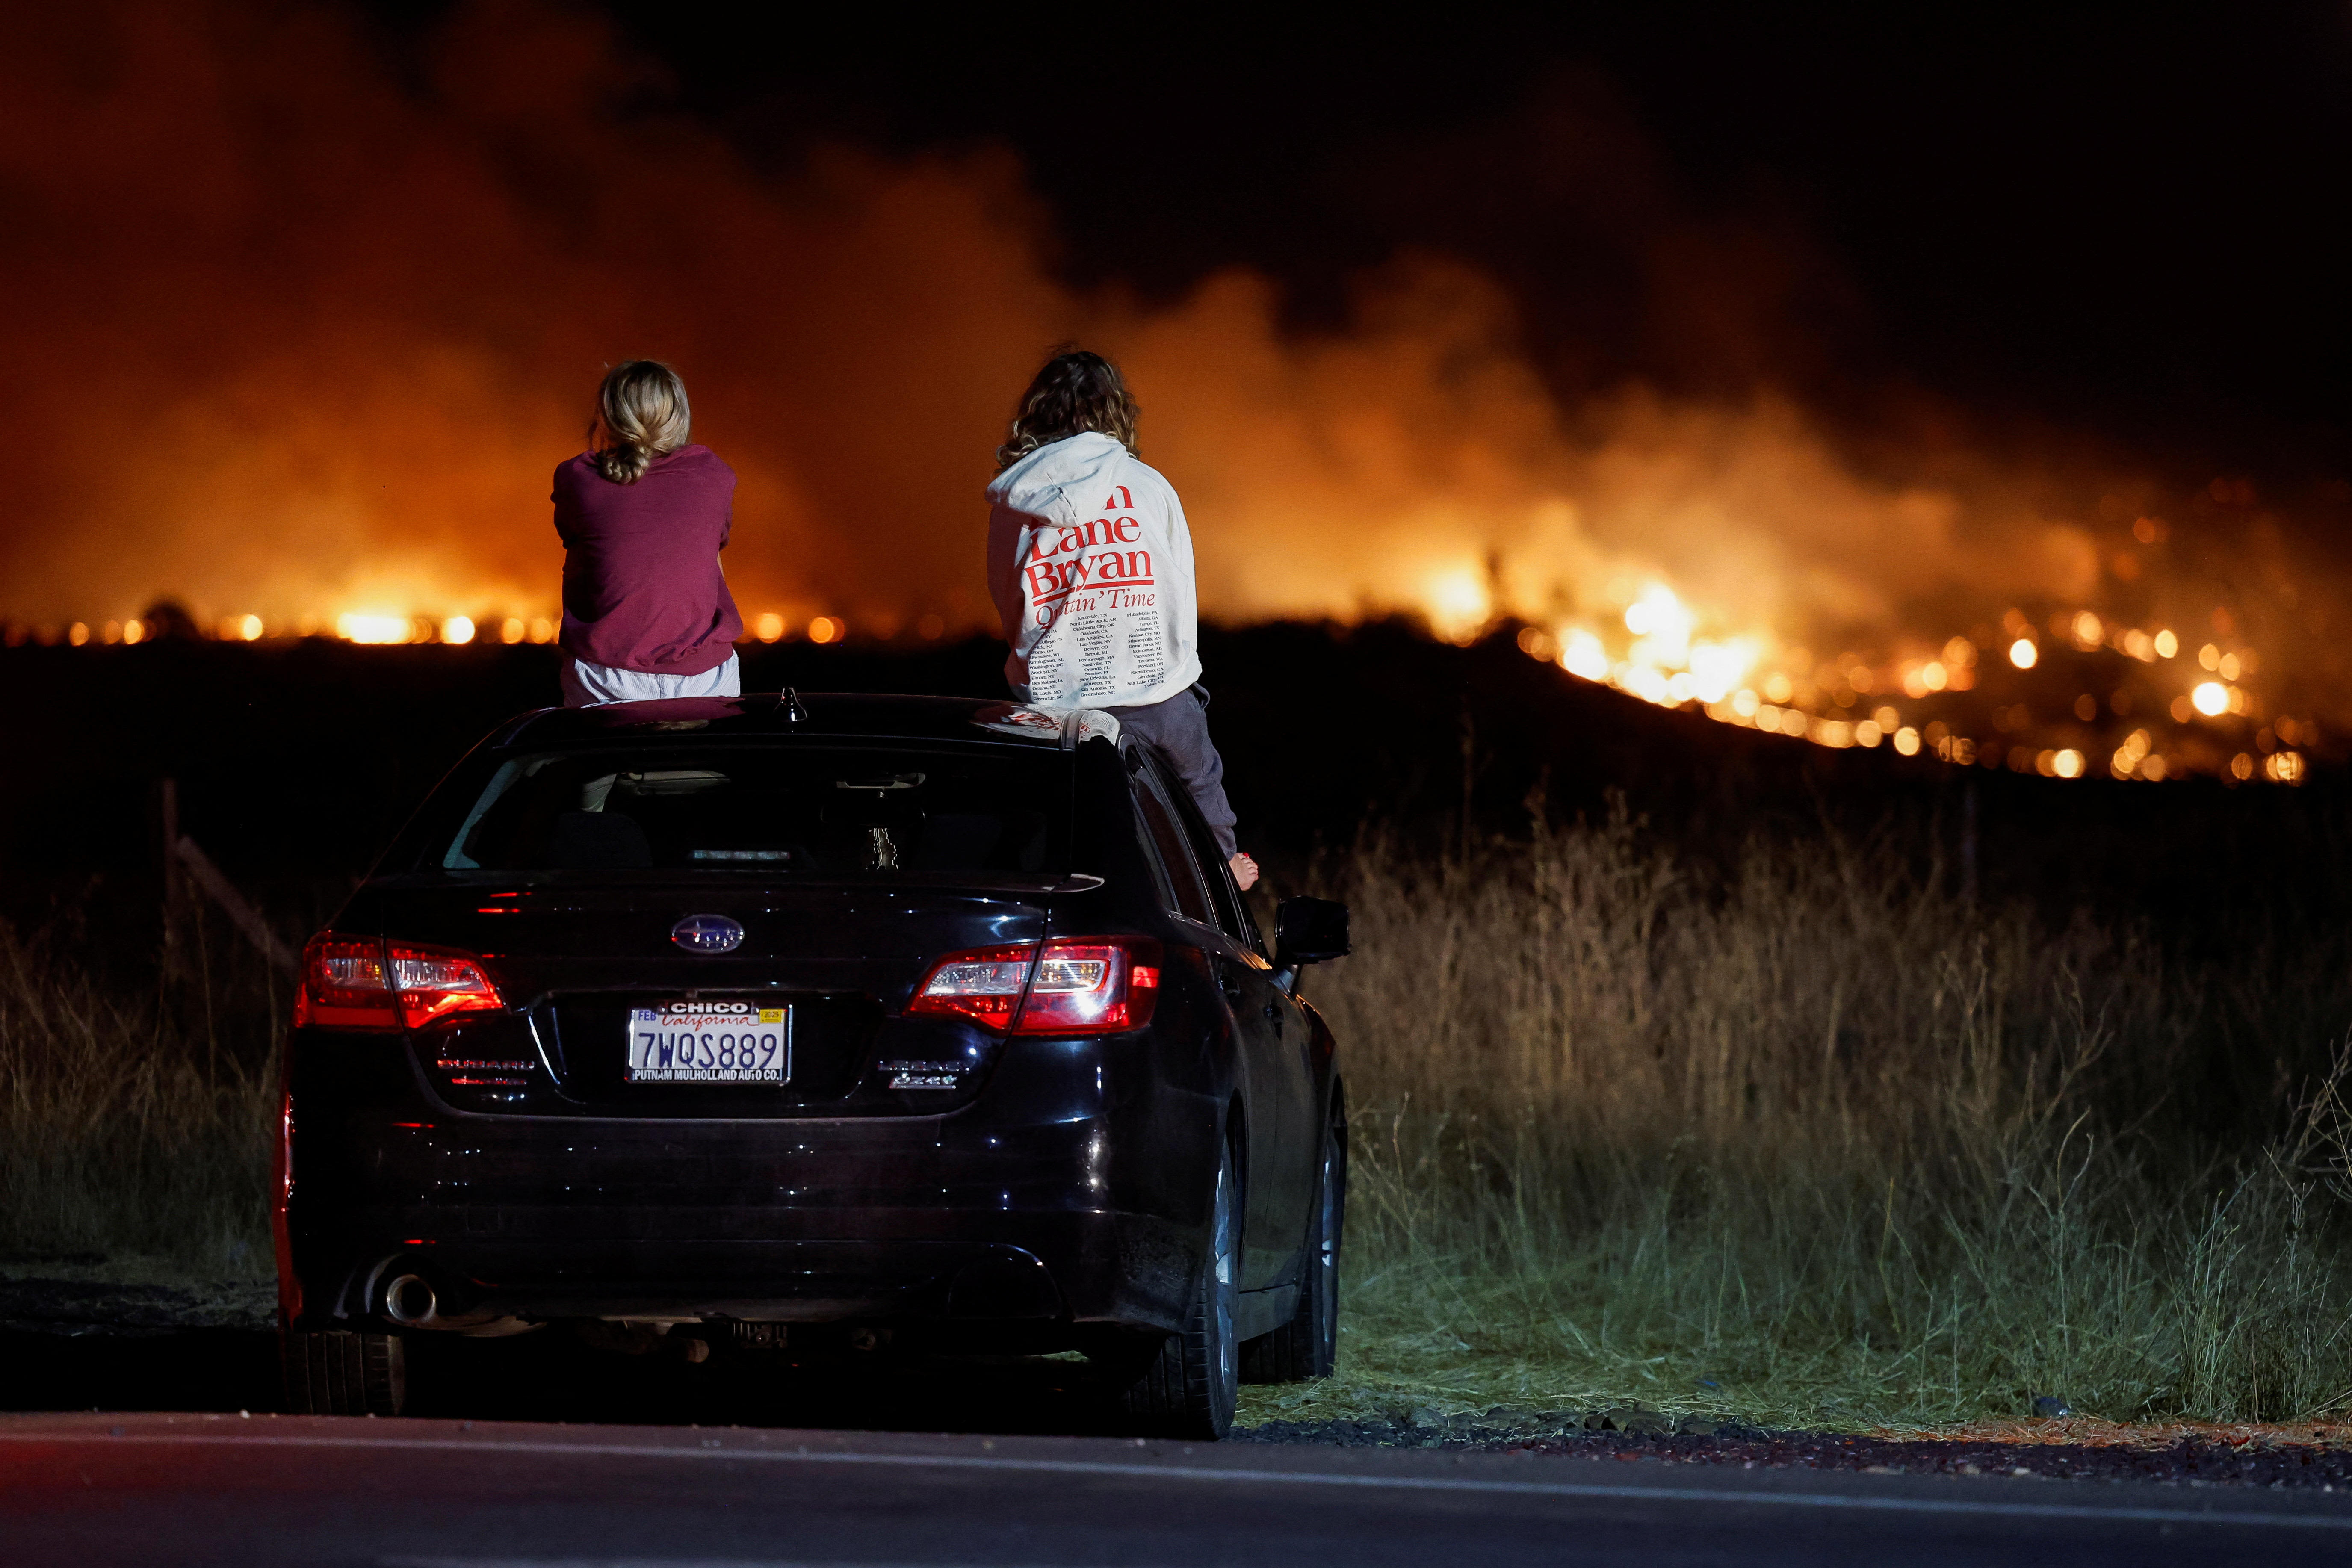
575,958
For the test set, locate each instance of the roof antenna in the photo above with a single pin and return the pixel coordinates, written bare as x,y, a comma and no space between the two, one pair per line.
793,712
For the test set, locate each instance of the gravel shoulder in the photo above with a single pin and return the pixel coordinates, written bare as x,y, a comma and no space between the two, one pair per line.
123,1297
2056,1450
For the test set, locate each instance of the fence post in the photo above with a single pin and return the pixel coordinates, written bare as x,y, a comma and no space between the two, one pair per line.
167,812
167,855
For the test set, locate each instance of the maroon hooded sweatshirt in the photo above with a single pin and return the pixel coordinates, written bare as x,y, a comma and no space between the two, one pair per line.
642,588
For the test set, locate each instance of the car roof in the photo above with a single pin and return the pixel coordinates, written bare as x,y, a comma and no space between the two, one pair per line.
845,714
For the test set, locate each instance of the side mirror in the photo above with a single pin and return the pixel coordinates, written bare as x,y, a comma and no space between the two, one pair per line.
1309,931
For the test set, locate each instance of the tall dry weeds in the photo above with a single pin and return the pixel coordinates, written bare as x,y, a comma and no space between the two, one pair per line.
135,1122
1813,1138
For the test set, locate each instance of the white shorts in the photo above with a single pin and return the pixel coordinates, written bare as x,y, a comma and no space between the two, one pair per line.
589,685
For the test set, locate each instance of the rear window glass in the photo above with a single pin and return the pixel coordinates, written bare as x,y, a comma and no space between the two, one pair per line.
768,809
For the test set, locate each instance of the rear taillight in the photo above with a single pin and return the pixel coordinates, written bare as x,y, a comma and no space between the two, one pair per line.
985,985
436,981
343,985
1083,985
354,982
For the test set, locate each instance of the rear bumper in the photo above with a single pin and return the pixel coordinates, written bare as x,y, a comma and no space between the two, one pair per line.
1048,1198
1076,1269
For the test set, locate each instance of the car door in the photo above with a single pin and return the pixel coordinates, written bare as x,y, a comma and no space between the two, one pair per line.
1267,1245
1272,1038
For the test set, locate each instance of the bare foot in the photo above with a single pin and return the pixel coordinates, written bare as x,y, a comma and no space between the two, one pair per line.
1245,872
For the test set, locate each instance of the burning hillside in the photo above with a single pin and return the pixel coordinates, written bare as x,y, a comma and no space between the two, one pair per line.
312,382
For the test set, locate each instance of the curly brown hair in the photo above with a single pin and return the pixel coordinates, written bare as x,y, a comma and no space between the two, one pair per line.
1077,391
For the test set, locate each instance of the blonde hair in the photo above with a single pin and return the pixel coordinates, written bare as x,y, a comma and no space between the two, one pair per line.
641,414
1077,390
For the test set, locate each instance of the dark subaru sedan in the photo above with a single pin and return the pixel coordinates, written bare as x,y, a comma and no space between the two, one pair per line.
719,1024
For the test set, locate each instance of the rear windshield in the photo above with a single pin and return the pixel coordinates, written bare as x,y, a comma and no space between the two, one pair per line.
819,810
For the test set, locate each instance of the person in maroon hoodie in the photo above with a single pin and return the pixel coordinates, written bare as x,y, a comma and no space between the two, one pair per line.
642,517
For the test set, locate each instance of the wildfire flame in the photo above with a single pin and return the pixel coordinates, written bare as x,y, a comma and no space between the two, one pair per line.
343,425
1657,653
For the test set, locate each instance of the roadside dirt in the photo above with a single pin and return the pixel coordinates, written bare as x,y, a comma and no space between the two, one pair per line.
77,1296
2068,1450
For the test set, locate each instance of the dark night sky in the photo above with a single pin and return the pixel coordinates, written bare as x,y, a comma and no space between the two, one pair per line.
1855,326
2127,222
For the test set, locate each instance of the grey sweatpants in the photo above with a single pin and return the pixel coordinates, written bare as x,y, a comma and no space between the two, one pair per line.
1180,728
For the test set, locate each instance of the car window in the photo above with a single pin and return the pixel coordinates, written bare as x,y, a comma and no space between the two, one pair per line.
1167,841
1152,857
769,809
1233,914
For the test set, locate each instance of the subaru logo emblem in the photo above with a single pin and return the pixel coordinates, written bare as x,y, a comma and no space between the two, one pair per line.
707,933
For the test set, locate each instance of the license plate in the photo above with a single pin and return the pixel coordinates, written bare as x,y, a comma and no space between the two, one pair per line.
709,1042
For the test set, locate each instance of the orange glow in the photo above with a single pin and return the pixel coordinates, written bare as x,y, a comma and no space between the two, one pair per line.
373,628
1731,555
1457,604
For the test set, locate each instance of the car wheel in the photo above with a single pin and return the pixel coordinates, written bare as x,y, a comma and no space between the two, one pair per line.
1189,1387
1308,1345
343,1374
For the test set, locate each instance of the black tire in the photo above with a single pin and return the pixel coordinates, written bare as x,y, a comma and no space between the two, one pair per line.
1189,1385
1308,1347
343,1374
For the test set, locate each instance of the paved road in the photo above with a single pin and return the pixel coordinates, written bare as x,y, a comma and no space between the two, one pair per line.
256,1491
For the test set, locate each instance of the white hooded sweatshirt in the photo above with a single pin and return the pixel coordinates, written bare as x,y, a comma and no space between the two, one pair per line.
1091,568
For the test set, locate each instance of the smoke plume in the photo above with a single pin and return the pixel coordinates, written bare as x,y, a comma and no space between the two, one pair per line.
303,325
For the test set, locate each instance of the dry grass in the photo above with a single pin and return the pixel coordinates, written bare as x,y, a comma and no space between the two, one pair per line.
1811,1141
135,1124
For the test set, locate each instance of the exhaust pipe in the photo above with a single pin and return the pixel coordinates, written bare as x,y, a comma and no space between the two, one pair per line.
409,1301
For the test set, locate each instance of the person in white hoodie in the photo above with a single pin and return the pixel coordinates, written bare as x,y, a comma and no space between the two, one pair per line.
1091,568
